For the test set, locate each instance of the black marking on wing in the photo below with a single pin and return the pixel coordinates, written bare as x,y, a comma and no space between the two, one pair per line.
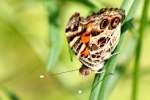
85,62
78,47
76,43
102,41
70,38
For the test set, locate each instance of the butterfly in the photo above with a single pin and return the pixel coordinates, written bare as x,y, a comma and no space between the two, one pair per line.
94,38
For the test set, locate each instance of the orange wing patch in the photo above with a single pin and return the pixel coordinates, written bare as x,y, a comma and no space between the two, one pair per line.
85,52
85,37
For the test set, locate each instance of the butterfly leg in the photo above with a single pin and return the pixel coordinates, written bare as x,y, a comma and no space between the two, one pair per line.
114,54
103,71
109,55
100,72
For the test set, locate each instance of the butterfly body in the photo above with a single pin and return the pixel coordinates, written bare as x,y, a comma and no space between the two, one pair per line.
94,38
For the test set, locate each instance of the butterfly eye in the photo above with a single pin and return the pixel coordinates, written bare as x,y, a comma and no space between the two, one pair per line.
114,22
104,23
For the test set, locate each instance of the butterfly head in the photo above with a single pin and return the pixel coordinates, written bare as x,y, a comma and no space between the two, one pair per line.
84,70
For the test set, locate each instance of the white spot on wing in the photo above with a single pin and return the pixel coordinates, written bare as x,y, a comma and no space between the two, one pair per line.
74,40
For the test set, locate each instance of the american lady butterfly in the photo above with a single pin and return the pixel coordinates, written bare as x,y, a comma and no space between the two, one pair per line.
94,38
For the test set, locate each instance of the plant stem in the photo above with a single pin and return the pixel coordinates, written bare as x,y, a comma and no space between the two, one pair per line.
102,90
138,52
110,68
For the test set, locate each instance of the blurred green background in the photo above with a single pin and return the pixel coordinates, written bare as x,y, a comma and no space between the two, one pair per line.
32,43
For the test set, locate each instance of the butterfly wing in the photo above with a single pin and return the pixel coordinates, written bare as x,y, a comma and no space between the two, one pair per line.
76,34
94,38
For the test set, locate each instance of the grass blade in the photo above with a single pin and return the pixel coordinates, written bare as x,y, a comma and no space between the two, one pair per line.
54,33
136,69
111,64
55,50
9,93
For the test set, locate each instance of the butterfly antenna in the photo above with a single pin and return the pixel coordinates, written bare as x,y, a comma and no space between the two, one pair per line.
49,74
60,73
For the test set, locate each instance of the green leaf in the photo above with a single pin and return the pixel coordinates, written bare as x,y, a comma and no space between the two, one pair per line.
127,25
70,53
130,7
56,47
54,33
96,86
9,94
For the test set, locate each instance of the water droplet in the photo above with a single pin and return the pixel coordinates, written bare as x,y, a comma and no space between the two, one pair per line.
79,91
42,76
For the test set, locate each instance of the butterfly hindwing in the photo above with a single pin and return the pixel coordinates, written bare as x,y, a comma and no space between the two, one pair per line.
94,38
